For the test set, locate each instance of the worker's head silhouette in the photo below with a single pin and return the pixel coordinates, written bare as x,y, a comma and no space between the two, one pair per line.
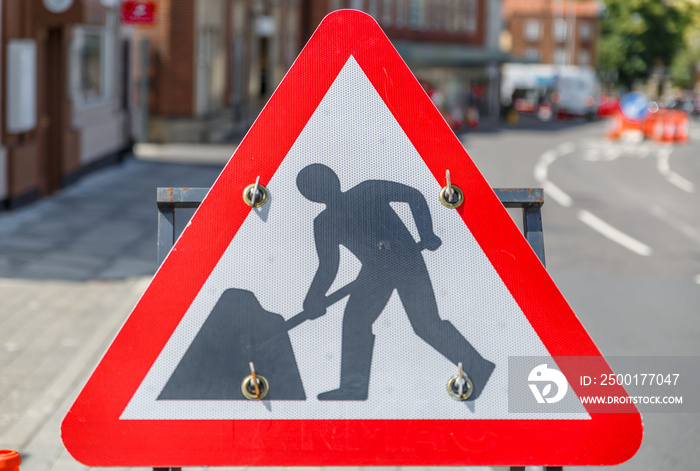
318,183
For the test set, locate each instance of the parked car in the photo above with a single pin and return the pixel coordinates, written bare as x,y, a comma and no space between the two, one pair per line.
689,105
608,105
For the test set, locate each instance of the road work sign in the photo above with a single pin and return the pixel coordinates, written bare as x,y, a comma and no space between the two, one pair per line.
335,300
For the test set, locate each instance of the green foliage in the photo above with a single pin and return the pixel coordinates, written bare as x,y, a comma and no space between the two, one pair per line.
686,60
637,35
682,68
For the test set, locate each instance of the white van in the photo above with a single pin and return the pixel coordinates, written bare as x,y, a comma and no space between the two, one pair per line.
570,90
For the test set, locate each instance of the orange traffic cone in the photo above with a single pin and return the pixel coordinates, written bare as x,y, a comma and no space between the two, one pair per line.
9,460
669,127
656,126
682,127
614,126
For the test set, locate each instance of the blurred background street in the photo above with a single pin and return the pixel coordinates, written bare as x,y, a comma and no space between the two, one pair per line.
106,100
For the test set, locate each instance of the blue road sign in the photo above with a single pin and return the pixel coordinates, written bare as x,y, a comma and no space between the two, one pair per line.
635,106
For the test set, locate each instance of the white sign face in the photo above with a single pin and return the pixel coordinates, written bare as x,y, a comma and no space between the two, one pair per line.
353,133
58,6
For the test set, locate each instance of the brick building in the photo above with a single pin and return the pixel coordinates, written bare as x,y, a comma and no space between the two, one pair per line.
212,64
64,94
558,32
451,44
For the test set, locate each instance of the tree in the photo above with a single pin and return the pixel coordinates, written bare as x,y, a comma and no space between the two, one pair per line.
637,35
685,62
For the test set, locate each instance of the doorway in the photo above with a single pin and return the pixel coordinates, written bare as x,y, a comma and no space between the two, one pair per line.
52,112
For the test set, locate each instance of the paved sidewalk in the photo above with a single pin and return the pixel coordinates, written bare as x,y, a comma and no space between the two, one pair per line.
72,266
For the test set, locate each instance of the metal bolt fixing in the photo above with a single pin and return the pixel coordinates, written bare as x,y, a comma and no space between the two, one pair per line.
255,195
450,195
254,386
460,387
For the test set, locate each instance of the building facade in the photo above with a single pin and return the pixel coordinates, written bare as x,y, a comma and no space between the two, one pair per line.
557,32
452,46
64,96
211,65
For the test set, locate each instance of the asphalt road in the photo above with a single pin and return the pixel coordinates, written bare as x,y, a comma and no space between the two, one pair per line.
622,241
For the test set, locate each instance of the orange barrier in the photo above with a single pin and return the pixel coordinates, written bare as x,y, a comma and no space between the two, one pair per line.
668,126
9,460
621,127
654,126
614,127
661,126
681,126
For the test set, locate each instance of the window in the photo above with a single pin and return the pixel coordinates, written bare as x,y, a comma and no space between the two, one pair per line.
455,11
532,53
532,30
356,4
584,30
386,12
435,14
400,13
470,17
559,30
417,14
91,62
561,57
440,11
584,57
373,8
91,78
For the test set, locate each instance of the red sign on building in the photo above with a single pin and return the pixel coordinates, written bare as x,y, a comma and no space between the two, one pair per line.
138,12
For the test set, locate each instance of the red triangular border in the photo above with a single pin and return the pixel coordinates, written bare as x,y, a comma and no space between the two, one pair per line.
92,431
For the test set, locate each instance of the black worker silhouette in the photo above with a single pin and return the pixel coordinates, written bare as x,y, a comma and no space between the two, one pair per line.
362,220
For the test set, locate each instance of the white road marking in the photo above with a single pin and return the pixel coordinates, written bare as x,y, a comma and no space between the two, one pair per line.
678,224
549,157
565,148
557,194
685,185
542,169
617,236
664,168
540,172
593,153
697,279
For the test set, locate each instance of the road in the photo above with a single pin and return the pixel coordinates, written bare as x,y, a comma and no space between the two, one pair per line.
622,239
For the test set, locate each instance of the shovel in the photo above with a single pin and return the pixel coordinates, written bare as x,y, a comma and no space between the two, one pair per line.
331,299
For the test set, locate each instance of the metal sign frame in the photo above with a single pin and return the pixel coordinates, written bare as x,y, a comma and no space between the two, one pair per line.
530,200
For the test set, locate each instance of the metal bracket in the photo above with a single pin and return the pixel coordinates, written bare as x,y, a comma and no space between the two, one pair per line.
168,200
530,200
